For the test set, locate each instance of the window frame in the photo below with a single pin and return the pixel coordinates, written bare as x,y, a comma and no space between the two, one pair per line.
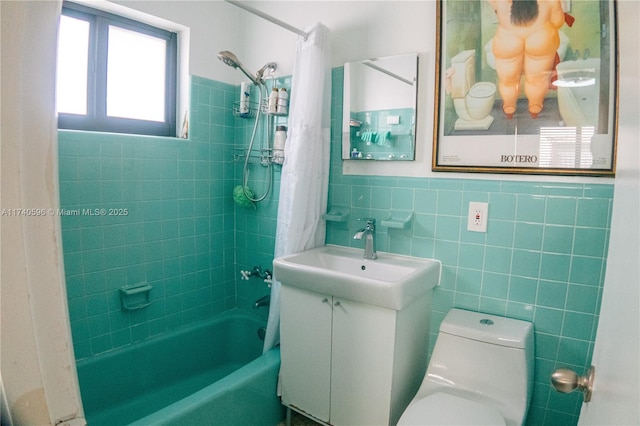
96,118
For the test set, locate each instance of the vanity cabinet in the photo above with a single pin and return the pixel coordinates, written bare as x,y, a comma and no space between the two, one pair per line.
345,362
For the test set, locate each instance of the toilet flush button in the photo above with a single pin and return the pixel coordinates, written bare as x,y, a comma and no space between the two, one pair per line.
486,321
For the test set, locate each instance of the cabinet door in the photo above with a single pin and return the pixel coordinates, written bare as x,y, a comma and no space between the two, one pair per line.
305,349
362,363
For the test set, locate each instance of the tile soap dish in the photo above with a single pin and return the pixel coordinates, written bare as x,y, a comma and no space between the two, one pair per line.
337,214
135,296
398,220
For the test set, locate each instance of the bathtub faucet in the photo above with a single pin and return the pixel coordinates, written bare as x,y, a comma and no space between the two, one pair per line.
257,271
369,234
263,301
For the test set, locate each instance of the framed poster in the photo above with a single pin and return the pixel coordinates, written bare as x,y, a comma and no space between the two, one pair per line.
526,87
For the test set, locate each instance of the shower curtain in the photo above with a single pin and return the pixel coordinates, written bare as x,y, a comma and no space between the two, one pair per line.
37,362
305,173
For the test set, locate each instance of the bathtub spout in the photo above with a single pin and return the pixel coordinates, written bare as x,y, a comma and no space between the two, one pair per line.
263,301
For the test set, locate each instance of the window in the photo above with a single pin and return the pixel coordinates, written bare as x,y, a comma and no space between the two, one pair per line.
115,74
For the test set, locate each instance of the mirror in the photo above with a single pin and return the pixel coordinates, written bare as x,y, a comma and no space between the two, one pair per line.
379,119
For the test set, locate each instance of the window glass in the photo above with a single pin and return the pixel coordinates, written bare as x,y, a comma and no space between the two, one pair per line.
135,75
73,62
115,74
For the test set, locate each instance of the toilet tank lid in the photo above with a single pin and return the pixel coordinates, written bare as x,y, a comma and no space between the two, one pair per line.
462,56
487,328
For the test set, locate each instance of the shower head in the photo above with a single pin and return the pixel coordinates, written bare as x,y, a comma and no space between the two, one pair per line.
268,68
229,58
233,61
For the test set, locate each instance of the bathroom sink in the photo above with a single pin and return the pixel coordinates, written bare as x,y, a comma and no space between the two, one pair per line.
391,281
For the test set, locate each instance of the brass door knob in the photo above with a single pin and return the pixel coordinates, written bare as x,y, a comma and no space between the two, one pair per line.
566,380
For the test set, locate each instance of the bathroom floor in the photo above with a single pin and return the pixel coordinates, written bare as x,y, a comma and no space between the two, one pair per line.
298,419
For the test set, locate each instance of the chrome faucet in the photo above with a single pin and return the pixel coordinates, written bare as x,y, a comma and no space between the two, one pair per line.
369,234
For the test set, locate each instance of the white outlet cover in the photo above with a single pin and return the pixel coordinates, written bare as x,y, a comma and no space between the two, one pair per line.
393,119
478,217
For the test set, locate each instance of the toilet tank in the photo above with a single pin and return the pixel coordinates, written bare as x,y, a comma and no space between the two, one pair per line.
463,77
485,358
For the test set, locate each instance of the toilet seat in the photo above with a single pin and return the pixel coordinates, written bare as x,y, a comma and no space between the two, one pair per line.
446,409
482,89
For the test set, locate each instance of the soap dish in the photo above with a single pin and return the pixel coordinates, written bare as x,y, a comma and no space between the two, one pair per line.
135,296
337,214
397,220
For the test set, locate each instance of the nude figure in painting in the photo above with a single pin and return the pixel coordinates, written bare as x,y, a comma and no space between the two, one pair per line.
526,42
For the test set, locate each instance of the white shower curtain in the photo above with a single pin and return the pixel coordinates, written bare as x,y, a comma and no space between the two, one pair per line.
305,173
37,362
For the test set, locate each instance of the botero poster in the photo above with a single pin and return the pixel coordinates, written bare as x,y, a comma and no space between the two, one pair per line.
526,86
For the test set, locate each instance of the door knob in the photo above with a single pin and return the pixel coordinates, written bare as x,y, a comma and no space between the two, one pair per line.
566,380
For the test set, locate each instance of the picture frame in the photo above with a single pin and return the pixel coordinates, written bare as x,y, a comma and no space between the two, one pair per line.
514,99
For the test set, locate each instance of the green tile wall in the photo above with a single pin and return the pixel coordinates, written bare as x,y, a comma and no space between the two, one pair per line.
256,228
542,258
177,235
183,233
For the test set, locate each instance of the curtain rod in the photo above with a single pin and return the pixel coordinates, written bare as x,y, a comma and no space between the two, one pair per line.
268,18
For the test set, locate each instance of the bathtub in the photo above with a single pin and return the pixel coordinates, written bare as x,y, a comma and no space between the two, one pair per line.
211,373
579,104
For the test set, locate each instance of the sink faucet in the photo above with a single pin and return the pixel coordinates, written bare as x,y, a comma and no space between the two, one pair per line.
369,234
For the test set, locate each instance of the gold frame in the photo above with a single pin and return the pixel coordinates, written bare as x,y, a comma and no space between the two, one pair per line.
454,141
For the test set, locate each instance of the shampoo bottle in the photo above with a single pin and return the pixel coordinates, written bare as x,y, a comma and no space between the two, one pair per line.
272,105
278,144
283,101
243,109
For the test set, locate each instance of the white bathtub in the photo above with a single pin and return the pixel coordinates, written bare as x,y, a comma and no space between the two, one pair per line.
579,104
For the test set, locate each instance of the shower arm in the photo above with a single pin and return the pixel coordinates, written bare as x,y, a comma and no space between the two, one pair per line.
255,80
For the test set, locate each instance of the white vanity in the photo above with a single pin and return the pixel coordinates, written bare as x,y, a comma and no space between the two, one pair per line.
354,333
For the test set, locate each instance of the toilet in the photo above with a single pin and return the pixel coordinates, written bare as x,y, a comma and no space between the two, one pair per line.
473,101
480,373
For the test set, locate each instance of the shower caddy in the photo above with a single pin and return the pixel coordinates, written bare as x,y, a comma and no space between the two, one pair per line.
265,155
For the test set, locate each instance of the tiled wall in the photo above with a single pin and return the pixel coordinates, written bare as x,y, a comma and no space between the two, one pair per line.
177,235
256,228
542,258
182,233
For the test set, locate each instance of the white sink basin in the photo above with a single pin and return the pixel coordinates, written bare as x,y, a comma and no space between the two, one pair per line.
391,281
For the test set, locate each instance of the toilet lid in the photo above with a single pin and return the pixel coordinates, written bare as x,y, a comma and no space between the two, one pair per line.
445,409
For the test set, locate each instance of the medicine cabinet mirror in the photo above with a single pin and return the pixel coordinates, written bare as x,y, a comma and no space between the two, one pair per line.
379,120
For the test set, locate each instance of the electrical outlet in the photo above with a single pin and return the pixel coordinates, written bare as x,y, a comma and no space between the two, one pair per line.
478,217
393,119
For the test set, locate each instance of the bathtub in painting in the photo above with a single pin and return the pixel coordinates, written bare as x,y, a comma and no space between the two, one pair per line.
579,92
211,373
